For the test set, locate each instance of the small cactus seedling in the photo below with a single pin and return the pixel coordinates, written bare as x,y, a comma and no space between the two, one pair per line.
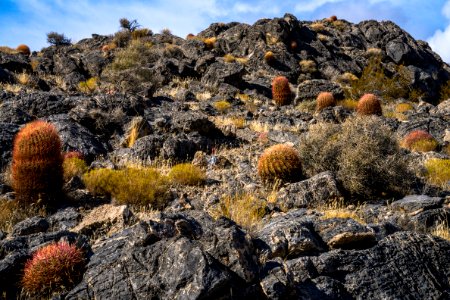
325,99
37,163
369,104
280,163
281,92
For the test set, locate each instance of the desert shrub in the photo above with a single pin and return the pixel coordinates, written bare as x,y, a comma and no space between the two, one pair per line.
339,25
280,163
122,38
438,172
245,209
325,99
88,86
74,167
347,78
210,42
129,25
420,141
186,174
403,107
57,39
317,27
54,268
73,154
348,103
269,57
24,49
37,172
222,106
281,92
11,213
362,153
229,58
307,66
140,33
369,104
138,187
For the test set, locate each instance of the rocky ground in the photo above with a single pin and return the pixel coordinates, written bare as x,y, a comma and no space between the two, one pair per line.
369,249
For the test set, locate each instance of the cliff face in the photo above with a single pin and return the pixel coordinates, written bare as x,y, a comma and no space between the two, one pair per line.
207,100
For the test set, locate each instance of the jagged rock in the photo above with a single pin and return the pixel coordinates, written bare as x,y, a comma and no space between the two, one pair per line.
44,104
15,63
315,191
6,76
275,281
107,219
308,90
337,114
10,112
220,72
290,235
392,268
7,133
194,122
414,203
436,126
64,219
345,233
29,226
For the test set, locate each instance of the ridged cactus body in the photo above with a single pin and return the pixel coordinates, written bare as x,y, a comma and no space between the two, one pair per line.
281,92
325,99
37,163
369,104
280,163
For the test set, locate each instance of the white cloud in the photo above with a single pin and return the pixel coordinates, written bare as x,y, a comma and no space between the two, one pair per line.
440,41
309,6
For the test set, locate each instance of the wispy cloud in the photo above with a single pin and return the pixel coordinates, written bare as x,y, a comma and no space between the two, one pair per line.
440,41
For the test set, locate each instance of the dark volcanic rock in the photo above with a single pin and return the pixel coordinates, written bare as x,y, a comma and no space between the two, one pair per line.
29,226
7,133
413,203
309,89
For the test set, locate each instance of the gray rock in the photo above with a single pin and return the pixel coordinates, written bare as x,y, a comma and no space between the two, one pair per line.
413,203
315,191
30,226
64,219
220,72
308,90
7,133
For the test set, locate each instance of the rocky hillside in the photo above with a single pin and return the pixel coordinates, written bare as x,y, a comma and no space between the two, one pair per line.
170,187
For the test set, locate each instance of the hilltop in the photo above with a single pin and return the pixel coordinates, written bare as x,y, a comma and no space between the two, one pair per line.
286,159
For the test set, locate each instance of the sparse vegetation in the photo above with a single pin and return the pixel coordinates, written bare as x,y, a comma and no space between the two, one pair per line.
420,141
229,58
129,25
186,174
11,213
138,187
308,66
222,106
74,167
210,42
317,26
325,99
363,154
438,172
269,57
54,268
88,86
57,39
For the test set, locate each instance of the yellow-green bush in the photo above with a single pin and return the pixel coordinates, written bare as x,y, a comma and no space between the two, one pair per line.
438,172
73,166
222,106
140,187
88,86
186,174
245,209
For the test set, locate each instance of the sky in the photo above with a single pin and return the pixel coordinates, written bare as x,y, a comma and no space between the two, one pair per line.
28,21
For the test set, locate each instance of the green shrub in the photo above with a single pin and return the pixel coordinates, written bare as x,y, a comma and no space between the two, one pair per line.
279,163
37,172
186,174
438,172
362,153
138,187
73,167
57,267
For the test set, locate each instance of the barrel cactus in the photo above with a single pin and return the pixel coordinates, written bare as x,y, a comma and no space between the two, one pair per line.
280,163
325,99
37,172
369,104
281,92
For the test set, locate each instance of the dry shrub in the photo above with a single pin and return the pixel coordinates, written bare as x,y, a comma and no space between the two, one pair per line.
403,107
348,103
245,209
88,86
138,187
11,213
54,268
442,230
307,106
438,172
317,27
210,42
229,58
23,78
338,209
140,33
339,25
222,106
347,78
186,174
363,154
325,99
420,141
74,167
307,66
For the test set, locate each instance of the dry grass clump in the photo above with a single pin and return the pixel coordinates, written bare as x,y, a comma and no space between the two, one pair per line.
438,172
11,213
54,268
444,92
442,230
347,78
362,153
339,25
325,99
73,167
338,209
222,106
245,209
210,42
140,33
8,50
317,26
307,66
23,78
307,106
229,58
403,107
186,174
138,187
420,141
348,103
88,86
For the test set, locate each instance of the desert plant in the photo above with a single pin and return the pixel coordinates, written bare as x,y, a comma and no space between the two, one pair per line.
229,58
280,163
186,174
53,268
140,33
269,57
88,86
438,172
222,106
420,141
210,42
134,186
348,103
317,27
23,49
244,208
369,104
37,163
363,154
73,154
444,91
129,25
403,107
57,39
122,38
308,66
11,213
281,92
325,99
74,166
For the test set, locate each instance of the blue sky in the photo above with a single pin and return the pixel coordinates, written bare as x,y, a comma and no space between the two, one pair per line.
28,21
